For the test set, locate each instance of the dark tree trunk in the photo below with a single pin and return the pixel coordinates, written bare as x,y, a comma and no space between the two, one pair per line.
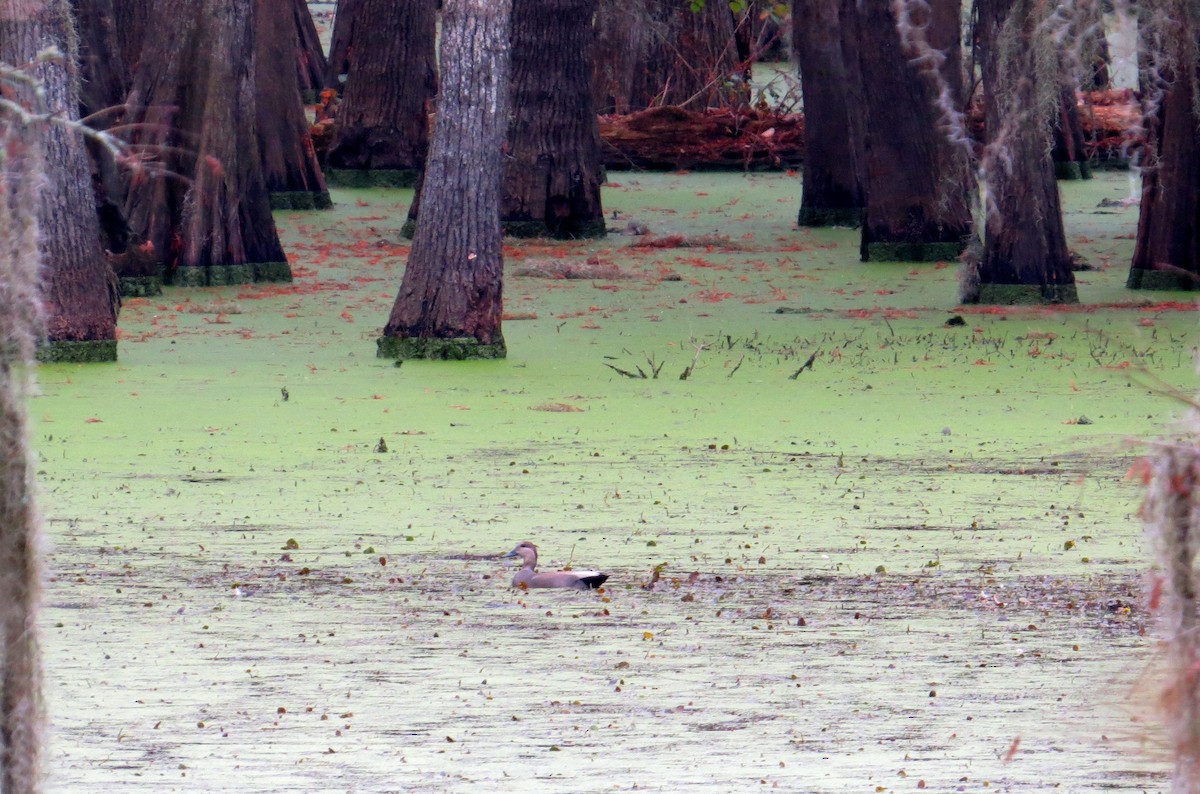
833,122
288,161
382,123
917,181
1093,52
1167,253
105,78
131,18
341,42
311,63
1069,156
105,83
79,290
193,101
1025,257
450,301
661,52
553,173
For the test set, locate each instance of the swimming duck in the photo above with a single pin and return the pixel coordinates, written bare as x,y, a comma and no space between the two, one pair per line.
528,576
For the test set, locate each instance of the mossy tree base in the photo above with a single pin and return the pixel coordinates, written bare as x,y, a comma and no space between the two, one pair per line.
830,216
301,200
913,252
1162,280
1070,170
1026,294
409,229
374,177
459,349
141,286
90,351
222,275
579,230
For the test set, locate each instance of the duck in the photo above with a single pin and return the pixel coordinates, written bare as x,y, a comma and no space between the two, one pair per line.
527,576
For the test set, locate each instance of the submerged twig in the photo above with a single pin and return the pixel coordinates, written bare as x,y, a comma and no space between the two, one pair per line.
626,373
806,365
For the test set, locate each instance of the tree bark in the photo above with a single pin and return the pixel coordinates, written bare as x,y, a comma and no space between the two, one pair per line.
450,301
289,163
917,181
1094,56
311,63
661,52
341,42
22,708
105,79
78,287
26,29
193,104
1069,156
1166,255
104,84
832,193
382,123
1025,257
553,173
132,18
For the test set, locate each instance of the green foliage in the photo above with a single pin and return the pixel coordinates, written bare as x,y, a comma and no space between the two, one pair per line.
736,6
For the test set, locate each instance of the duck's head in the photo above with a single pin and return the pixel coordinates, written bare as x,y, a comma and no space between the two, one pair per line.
526,551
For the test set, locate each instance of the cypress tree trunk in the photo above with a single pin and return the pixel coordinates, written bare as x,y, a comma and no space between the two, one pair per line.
1025,257
22,713
289,163
1166,255
132,17
341,42
311,63
1094,56
661,52
104,83
194,103
833,123
382,123
917,182
1070,159
105,80
553,171
449,304
79,290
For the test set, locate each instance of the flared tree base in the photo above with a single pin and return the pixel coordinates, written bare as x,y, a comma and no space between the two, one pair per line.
830,216
1068,170
223,275
913,252
140,286
459,349
89,351
371,177
1162,280
579,230
1026,294
301,200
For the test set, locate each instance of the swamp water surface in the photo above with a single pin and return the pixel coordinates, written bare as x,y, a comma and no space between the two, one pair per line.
915,564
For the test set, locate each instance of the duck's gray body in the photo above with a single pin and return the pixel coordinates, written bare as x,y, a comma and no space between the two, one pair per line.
528,576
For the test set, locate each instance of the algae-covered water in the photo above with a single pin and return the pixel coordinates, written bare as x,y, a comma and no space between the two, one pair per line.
914,564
